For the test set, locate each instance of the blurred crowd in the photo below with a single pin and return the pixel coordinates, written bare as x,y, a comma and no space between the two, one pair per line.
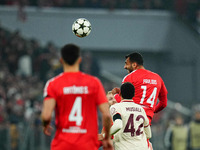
134,4
189,10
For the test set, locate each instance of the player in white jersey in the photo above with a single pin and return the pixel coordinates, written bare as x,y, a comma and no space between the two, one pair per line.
131,127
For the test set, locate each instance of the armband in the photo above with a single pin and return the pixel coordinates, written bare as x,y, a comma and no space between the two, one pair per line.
117,116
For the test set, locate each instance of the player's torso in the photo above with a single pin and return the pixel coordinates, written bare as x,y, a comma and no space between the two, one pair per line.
74,101
147,86
132,132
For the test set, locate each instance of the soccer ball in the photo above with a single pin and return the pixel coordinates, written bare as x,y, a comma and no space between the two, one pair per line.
81,27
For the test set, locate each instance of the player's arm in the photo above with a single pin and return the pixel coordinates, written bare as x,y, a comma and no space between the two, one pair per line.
117,124
147,127
115,90
47,110
117,119
161,104
162,99
106,118
103,105
147,130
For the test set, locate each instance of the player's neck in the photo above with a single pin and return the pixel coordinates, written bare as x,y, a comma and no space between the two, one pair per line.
140,67
74,68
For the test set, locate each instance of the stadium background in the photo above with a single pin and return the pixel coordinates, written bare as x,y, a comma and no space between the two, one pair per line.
165,32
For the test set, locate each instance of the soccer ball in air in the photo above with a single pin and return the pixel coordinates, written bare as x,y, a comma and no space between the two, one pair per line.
81,27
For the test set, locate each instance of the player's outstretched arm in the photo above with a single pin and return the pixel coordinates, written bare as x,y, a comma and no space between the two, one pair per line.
47,110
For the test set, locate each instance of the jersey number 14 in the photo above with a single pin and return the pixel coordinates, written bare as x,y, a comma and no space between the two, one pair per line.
151,98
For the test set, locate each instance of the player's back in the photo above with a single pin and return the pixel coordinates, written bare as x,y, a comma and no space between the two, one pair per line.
77,98
147,88
132,135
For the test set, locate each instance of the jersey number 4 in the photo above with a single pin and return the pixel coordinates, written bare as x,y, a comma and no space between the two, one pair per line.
130,125
151,98
76,112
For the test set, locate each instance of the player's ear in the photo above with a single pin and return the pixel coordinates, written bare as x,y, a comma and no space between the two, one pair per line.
134,64
61,60
79,60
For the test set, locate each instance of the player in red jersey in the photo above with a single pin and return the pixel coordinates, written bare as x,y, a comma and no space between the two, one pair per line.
149,86
75,96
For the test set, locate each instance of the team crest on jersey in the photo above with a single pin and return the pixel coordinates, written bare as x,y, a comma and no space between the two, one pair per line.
113,111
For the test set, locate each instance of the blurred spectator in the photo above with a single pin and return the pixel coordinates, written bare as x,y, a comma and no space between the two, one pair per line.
194,130
176,135
14,134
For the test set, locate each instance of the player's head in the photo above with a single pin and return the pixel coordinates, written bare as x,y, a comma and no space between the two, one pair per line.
70,54
127,90
133,61
111,98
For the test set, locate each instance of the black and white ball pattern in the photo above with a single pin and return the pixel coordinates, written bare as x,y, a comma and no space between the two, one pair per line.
81,27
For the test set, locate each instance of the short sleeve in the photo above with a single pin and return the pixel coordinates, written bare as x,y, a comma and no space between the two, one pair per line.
101,95
49,91
114,110
163,90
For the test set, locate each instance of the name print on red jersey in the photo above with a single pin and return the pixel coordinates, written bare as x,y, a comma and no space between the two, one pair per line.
149,81
75,90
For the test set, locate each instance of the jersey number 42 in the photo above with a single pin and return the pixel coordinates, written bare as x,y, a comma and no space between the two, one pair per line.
130,125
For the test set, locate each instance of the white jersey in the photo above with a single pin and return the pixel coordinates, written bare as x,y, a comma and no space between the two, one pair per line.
134,122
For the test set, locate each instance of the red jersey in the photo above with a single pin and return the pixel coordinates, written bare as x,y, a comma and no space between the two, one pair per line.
149,87
77,96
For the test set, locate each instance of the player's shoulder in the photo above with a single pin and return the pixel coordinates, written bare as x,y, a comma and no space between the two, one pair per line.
90,78
54,79
129,75
115,108
152,73
116,105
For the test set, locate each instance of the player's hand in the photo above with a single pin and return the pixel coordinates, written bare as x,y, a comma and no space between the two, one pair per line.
107,144
100,137
116,90
47,130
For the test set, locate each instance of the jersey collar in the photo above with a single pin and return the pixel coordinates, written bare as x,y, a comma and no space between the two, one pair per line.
127,100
